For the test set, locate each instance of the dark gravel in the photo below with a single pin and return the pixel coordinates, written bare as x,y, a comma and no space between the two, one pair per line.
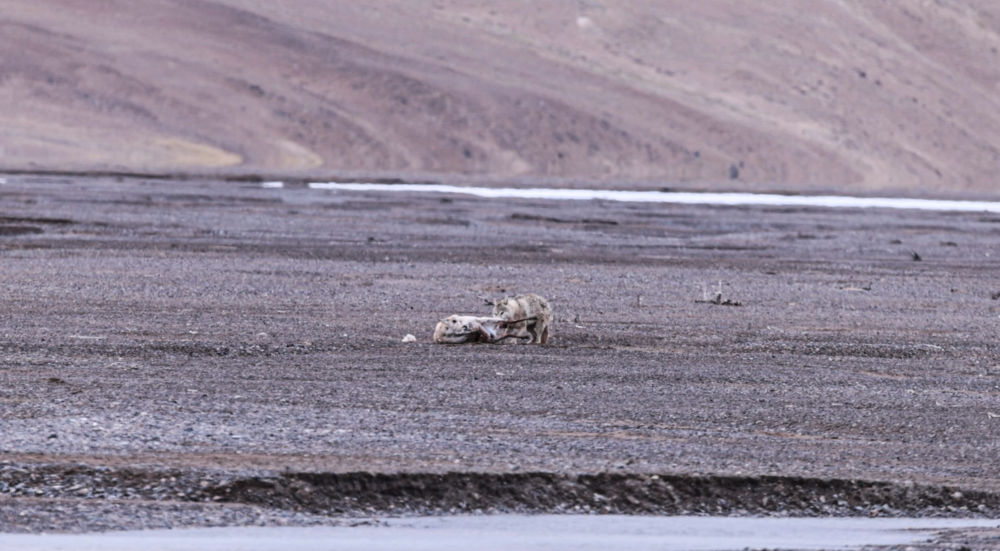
228,335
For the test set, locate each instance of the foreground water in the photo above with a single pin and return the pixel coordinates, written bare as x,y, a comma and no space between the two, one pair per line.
519,532
829,201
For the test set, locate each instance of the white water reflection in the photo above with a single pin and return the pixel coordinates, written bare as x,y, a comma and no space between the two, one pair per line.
520,533
768,199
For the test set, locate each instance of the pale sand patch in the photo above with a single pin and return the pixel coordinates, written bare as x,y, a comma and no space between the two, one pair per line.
187,153
293,155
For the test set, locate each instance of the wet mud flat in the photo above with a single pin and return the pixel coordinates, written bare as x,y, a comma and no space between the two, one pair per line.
233,354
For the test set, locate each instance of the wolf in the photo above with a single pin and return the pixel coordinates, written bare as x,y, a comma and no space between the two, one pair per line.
530,316
458,329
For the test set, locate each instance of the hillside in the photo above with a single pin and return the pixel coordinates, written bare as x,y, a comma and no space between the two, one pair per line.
853,96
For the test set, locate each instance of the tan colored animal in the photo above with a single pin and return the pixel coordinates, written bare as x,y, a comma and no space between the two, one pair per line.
530,314
471,329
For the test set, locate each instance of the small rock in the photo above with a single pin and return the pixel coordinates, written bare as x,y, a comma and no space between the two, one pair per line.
409,338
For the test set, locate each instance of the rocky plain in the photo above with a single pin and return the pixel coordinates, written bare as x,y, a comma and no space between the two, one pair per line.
191,353
182,345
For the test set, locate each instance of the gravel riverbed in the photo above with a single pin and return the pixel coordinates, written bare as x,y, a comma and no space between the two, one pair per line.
165,342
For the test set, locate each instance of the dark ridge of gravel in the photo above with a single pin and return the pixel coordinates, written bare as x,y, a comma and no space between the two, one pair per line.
354,494
606,493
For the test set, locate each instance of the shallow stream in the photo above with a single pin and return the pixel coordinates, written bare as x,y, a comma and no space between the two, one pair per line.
767,199
520,533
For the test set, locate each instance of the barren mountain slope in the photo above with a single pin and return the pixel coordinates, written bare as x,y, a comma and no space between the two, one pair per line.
849,96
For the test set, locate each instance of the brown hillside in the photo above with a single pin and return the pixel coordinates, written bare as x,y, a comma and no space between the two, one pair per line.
851,96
